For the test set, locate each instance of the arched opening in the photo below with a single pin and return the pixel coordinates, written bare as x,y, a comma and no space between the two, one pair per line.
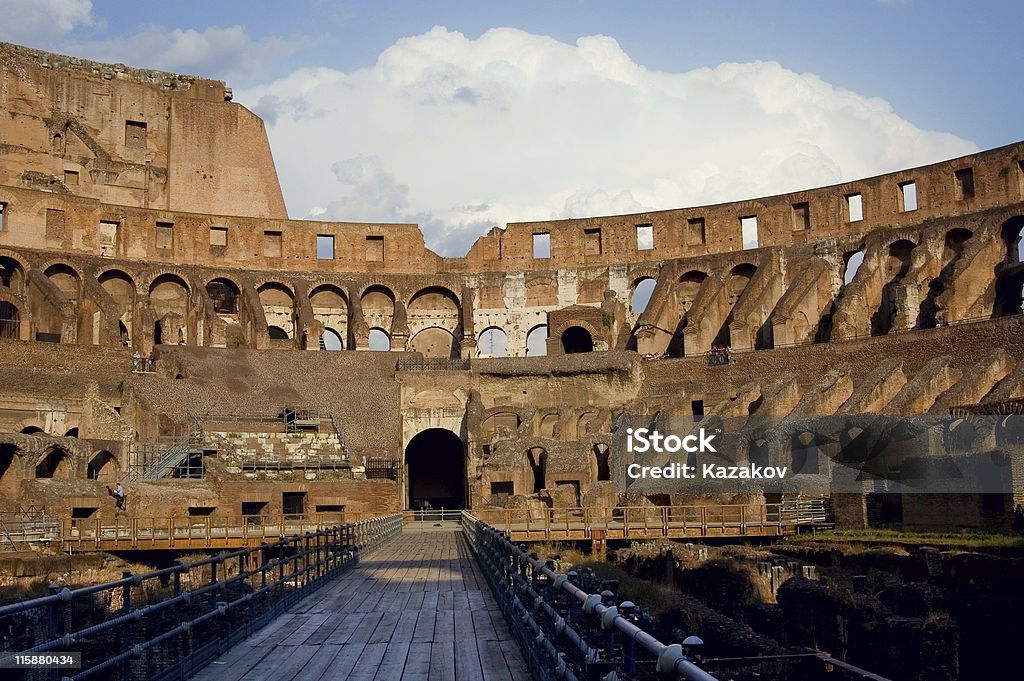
277,333
31,430
102,467
121,289
436,470
122,332
642,291
853,262
897,264
12,276
806,453
739,279
66,279
757,451
686,292
158,333
330,340
224,295
169,297
378,305
1010,276
434,342
493,342
73,432
55,464
10,320
278,305
929,315
601,457
330,308
379,340
577,339
537,458
537,341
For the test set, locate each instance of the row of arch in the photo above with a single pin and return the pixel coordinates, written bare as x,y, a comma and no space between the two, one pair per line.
55,462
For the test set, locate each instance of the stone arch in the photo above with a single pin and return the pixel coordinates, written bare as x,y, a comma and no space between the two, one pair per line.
434,306
588,423
56,462
12,272
169,298
1009,297
331,308
377,303
537,463
894,268
121,288
10,469
277,333
929,314
379,340
103,467
688,287
640,294
536,341
67,280
550,425
434,341
278,303
31,430
435,461
492,342
805,447
851,264
224,294
577,339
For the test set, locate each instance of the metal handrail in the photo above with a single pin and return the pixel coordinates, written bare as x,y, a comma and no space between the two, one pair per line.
184,628
528,589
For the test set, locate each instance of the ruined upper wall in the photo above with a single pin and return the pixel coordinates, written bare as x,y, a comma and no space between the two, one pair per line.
131,137
809,216
55,220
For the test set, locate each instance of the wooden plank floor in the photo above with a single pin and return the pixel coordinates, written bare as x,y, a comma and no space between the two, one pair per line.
416,609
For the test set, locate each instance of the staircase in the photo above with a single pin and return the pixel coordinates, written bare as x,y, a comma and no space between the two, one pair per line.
160,459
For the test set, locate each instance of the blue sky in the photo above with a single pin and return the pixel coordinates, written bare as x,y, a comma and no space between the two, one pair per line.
821,92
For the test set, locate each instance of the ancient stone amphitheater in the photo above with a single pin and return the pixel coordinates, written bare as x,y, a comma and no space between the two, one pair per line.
163,322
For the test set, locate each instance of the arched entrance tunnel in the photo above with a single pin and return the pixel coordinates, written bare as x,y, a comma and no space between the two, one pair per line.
436,467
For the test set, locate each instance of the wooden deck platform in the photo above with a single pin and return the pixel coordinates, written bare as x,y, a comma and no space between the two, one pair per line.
416,609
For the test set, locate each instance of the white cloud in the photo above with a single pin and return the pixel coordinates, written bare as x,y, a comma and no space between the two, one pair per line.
38,22
461,134
214,52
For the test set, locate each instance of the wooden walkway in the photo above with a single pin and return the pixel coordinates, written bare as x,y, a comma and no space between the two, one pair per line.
416,609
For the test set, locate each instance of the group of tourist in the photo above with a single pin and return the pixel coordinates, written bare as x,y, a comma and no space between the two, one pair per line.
719,354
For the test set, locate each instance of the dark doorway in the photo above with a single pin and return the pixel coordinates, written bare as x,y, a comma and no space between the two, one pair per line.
436,466
577,339
293,505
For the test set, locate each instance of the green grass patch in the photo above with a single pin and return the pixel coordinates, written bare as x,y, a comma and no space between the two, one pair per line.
971,540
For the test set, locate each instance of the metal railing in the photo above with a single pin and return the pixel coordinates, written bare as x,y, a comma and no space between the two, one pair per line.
565,632
661,521
169,623
21,529
252,462
196,532
433,516
413,363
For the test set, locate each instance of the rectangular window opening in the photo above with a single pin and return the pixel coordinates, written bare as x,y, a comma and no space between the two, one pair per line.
748,227
200,511
375,248
164,235
697,407
801,217
541,246
644,237
3,215
108,238
134,134
81,512
854,208
71,178
325,247
908,196
272,246
252,512
218,236
695,234
592,241
965,183
293,504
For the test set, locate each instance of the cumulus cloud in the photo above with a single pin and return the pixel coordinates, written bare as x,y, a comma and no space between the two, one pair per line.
214,52
38,22
460,134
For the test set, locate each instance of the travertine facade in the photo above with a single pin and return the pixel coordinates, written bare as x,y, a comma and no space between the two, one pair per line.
891,294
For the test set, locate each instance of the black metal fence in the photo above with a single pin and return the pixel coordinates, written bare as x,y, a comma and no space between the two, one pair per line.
565,632
169,623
